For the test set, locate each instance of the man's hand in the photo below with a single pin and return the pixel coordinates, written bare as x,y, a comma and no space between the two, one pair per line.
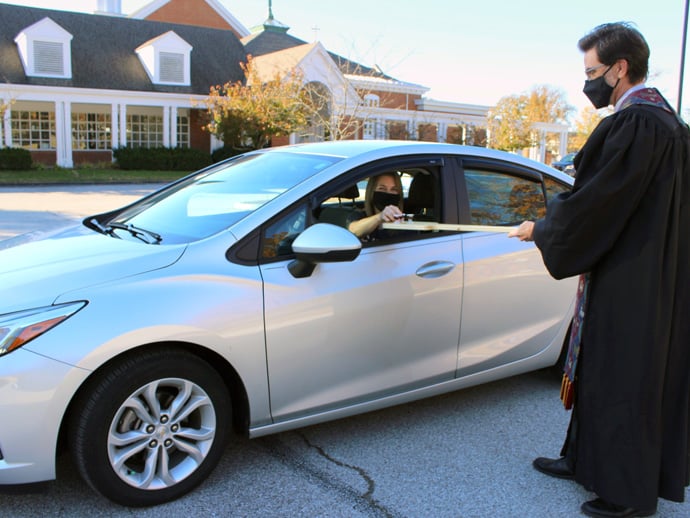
523,232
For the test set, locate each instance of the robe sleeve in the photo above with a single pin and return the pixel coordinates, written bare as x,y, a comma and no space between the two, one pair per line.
614,170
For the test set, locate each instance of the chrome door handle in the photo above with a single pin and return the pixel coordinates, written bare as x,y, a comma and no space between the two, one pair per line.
434,269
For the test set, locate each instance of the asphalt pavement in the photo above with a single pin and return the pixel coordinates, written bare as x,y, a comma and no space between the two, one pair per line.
466,454
34,208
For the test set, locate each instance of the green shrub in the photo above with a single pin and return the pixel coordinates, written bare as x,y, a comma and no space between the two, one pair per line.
226,152
15,159
161,159
187,159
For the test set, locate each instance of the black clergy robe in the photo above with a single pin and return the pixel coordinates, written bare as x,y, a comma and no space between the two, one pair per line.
627,222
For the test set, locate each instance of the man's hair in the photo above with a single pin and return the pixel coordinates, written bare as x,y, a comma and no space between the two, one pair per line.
620,40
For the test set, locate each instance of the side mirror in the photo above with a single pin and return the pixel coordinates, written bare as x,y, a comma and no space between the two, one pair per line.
322,243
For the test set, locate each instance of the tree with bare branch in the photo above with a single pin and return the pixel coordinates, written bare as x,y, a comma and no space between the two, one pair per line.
511,121
248,114
588,119
341,111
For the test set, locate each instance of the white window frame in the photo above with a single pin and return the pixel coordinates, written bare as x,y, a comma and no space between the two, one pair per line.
166,46
145,129
372,101
369,129
34,129
91,130
183,126
45,34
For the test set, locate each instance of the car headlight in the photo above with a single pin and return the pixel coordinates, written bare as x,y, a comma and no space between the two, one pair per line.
17,329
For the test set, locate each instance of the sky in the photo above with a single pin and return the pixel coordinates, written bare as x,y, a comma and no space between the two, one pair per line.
468,51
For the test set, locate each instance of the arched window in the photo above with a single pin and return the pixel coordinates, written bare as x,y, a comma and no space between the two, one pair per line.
372,101
318,129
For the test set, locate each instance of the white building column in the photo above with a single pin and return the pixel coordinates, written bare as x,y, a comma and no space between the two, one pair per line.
6,125
173,126
412,129
542,147
63,133
218,143
169,126
442,132
563,143
380,128
114,126
122,119
166,126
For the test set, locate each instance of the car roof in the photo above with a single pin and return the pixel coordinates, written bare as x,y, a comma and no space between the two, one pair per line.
373,149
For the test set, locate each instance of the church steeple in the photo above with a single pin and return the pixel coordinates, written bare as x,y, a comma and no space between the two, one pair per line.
271,24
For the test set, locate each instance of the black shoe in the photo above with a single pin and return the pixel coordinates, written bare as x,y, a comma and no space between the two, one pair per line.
602,509
558,468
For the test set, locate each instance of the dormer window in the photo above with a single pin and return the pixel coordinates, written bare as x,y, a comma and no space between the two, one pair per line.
172,67
46,50
166,59
48,58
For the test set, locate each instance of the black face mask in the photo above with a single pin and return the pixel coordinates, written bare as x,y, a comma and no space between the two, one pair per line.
382,199
599,91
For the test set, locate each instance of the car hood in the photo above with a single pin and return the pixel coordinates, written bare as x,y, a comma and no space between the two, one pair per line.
37,268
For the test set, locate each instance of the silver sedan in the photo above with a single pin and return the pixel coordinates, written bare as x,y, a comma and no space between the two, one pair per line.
237,298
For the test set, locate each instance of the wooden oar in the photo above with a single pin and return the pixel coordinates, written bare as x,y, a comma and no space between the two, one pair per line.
431,225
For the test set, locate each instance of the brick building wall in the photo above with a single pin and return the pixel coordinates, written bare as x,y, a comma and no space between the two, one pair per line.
47,158
199,138
394,100
190,12
427,132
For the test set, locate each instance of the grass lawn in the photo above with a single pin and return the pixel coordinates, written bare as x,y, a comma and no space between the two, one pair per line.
86,175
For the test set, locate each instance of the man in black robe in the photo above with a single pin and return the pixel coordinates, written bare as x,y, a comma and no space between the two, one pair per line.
625,230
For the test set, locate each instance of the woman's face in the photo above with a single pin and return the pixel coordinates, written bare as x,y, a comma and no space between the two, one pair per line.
386,183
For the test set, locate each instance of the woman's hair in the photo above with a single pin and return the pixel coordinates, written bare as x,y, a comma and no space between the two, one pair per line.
371,187
619,40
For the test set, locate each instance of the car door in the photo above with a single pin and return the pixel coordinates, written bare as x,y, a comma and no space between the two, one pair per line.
512,307
384,323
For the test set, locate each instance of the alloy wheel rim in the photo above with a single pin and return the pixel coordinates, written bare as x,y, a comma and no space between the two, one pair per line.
161,433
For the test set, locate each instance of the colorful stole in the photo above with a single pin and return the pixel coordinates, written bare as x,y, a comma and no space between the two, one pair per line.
568,383
649,96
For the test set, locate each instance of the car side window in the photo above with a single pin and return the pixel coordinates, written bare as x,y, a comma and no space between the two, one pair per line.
344,203
554,188
418,194
277,238
339,206
498,198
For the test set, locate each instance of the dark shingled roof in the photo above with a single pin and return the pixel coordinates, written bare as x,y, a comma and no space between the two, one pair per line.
103,51
269,40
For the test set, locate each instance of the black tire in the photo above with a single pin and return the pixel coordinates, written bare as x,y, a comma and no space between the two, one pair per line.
151,427
558,367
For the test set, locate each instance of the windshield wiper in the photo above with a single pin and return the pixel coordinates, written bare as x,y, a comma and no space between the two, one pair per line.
147,236
99,226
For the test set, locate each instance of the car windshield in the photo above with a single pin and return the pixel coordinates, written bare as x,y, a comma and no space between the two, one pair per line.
212,200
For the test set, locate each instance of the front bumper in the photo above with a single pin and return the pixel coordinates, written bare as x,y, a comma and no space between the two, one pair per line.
34,394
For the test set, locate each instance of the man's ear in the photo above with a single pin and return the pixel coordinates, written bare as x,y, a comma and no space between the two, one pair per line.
623,68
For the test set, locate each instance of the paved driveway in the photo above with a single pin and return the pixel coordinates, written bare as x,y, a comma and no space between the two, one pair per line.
25,209
466,454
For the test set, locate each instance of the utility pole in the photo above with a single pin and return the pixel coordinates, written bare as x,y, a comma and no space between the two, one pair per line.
682,58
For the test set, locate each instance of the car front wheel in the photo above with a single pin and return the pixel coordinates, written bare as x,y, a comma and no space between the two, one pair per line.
151,427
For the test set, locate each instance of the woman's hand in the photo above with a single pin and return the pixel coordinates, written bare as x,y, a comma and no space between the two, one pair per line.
390,213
